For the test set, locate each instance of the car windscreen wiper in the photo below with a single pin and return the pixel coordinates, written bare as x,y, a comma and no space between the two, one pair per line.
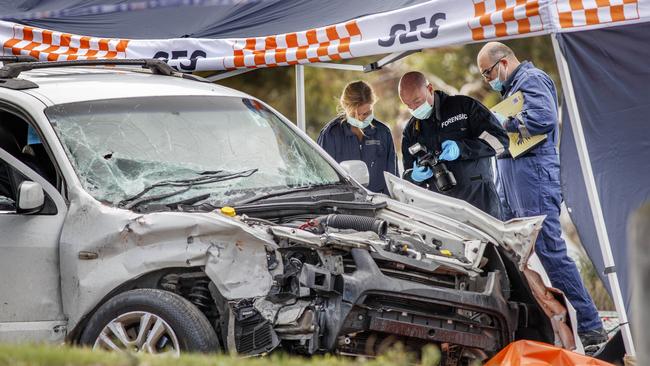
288,191
206,177
180,204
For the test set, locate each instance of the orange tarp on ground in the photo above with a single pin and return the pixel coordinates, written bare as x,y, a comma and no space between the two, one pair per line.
530,353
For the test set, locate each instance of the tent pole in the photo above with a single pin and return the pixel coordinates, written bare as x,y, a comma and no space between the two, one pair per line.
300,97
328,65
592,193
227,74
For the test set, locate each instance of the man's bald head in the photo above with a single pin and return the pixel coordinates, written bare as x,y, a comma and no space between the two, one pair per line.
492,53
413,80
414,89
495,51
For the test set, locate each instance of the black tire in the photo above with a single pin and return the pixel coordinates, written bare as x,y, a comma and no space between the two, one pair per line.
192,328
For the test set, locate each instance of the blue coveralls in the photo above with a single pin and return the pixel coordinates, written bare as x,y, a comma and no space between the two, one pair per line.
376,149
530,185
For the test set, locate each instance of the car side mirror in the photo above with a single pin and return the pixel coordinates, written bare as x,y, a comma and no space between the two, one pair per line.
30,198
358,170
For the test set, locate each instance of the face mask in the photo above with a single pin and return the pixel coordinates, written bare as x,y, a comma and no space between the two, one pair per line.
423,111
497,84
361,124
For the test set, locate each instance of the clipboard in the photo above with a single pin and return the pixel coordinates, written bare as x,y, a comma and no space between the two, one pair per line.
509,107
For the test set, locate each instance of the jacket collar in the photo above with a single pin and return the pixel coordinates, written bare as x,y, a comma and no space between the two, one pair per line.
510,81
438,98
347,128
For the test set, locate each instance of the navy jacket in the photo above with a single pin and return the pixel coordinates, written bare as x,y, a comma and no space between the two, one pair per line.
479,136
376,149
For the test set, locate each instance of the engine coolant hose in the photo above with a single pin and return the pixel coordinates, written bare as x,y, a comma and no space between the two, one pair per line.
355,222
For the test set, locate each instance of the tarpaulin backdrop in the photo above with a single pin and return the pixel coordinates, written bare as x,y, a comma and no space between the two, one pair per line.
278,33
183,18
611,76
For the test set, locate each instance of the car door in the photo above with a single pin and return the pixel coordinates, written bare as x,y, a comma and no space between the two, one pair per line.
30,291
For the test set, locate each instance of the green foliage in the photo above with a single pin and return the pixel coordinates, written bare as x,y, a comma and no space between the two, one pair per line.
275,86
588,273
450,68
43,355
594,285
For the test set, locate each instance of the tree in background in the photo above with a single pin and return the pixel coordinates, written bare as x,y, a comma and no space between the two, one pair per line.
451,69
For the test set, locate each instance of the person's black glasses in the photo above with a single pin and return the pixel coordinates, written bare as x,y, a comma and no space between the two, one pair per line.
486,73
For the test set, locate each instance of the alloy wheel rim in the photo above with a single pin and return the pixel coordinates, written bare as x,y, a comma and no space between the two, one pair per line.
139,332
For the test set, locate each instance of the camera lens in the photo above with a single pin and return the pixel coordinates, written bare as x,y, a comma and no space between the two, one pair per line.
443,178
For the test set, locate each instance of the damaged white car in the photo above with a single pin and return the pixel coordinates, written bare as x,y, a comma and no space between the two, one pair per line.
153,213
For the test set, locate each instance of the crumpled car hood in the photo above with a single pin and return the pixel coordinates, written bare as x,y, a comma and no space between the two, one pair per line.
517,235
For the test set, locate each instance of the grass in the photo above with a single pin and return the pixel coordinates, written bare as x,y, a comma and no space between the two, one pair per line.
48,355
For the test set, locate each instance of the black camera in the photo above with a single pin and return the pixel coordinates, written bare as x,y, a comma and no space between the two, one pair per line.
442,177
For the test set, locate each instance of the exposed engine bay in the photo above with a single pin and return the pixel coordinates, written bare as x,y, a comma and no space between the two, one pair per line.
363,277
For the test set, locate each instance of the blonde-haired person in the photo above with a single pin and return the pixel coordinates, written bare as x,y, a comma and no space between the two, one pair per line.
355,134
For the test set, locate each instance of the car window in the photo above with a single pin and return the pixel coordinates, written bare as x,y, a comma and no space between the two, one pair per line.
121,146
10,180
21,140
7,192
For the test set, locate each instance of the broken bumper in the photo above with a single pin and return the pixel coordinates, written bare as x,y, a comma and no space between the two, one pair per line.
374,302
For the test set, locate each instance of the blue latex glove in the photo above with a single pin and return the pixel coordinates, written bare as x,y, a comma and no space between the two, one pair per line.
450,150
420,173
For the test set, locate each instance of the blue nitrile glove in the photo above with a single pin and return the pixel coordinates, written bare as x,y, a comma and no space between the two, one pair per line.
450,150
420,173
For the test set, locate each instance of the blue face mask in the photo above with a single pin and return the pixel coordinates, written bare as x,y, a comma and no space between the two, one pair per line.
361,124
497,84
423,111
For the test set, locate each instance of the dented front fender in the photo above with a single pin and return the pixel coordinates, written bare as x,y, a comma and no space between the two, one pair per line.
104,247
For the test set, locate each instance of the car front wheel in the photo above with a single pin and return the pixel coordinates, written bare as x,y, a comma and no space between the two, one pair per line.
150,321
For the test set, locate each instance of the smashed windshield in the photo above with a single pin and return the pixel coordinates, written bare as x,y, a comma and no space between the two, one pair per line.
126,148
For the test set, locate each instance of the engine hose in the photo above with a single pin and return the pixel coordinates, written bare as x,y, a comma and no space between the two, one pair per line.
355,222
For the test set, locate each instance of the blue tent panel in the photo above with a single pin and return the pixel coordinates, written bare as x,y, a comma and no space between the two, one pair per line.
611,80
216,19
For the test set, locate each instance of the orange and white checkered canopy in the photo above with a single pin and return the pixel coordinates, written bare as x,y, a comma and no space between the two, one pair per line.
429,24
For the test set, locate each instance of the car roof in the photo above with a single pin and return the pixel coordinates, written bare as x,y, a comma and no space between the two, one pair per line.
76,84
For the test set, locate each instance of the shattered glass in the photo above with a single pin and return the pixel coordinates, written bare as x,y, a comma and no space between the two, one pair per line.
119,147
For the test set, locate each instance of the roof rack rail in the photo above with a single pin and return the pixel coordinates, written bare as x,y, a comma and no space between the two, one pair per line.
17,58
13,70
